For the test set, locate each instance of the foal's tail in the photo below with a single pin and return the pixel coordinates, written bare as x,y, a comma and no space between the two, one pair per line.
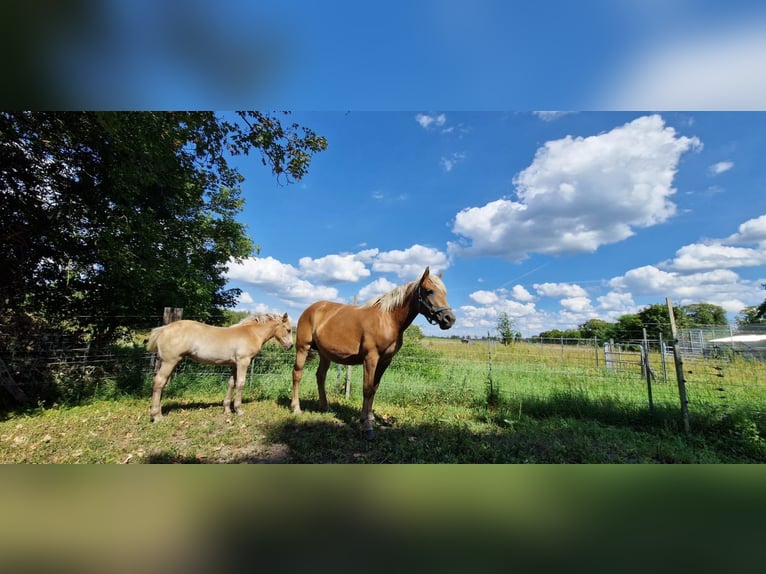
151,345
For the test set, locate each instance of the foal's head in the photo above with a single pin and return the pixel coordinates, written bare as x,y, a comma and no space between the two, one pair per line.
284,332
432,300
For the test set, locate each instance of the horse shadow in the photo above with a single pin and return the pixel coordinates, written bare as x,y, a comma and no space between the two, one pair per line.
181,405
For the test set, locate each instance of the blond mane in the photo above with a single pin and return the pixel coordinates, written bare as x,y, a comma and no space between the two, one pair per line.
396,297
261,318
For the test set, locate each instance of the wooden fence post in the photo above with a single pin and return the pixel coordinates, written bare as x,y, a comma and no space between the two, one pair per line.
679,367
169,314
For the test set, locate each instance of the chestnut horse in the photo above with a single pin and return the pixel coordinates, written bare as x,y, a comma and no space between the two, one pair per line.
235,345
370,335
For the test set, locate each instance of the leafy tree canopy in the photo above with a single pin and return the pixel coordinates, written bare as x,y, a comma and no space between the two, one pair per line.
113,215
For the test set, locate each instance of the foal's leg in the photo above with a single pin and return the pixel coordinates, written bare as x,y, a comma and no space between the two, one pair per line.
324,364
229,391
241,371
159,381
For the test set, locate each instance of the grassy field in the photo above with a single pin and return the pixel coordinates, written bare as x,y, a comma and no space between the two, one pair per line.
441,401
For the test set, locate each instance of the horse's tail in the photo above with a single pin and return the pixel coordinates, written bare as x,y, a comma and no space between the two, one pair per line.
151,345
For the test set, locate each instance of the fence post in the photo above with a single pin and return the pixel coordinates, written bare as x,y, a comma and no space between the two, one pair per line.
647,370
595,348
662,356
679,367
169,314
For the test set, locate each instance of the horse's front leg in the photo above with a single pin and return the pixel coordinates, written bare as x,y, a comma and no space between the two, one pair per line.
229,391
368,392
301,352
241,372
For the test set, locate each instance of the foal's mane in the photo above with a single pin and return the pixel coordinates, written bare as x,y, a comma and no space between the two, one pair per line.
397,296
261,318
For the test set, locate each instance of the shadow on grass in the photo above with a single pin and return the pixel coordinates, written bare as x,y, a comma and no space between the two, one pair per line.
567,428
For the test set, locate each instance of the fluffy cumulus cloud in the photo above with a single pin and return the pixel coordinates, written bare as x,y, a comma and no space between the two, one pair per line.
408,264
375,289
726,253
559,290
580,193
336,268
751,231
278,279
700,256
521,294
720,286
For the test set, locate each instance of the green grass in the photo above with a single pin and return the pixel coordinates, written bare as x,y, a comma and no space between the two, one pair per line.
445,406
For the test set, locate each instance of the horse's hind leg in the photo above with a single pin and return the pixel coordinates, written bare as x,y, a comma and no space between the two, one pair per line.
324,364
159,381
230,391
240,371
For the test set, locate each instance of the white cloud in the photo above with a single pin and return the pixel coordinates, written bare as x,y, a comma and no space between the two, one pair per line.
723,253
752,231
410,263
521,294
580,193
449,162
261,271
279,279
484,297
426,120
721,167
559,290
614,304
335,268
577,304
375,289
715,286
701,256
710,69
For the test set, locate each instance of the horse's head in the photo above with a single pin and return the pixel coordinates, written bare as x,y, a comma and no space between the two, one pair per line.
432,301
284,332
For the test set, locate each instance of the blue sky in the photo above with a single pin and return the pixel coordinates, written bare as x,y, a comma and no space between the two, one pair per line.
554,218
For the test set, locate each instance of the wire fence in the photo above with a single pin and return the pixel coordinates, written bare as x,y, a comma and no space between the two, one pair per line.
445,370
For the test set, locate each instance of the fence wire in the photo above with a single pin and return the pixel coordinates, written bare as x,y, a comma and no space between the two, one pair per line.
448,369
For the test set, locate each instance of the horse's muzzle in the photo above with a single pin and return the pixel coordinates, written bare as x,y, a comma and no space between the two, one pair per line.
446,319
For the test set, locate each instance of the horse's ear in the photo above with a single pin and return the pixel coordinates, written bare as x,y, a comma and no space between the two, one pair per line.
426,273
284,318
440,275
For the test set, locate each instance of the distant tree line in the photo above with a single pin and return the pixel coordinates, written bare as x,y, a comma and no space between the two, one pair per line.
654,318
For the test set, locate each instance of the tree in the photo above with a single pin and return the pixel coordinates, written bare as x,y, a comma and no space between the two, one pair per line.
705,314
598,328
761,310
114,215
750,316
628,327
505,328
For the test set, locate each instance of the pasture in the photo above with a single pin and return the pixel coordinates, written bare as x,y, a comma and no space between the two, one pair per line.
440,402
